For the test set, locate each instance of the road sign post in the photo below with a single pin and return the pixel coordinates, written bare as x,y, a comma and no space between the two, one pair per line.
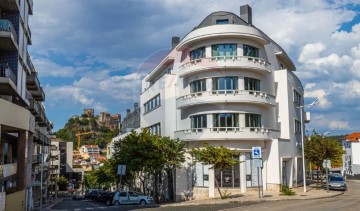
121,171
257,162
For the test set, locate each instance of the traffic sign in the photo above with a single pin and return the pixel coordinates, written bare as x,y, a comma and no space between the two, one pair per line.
121,169
257,163
256,152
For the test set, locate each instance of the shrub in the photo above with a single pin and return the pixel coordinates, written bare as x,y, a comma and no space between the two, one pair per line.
225,194
286,191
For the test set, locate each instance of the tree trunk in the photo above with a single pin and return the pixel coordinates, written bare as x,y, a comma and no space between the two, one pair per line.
170,184
156,190
217,185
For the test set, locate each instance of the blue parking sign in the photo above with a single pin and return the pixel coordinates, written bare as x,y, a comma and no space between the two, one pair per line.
256,152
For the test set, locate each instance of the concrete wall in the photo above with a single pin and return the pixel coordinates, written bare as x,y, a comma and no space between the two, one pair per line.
15,201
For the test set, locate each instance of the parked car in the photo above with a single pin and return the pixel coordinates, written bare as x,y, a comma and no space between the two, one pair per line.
77,196
107,198
337,182
101,197
131,197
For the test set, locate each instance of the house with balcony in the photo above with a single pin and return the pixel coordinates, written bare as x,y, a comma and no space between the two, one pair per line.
24,127
228,83
351,159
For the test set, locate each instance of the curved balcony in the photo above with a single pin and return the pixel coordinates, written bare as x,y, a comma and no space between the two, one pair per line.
228,96
224,62
226,133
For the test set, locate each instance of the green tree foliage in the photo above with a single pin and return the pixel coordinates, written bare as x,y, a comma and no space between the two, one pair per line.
62,182
147,155
220,158
319,148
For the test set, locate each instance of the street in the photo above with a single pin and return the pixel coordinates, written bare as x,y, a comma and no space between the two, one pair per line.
348,201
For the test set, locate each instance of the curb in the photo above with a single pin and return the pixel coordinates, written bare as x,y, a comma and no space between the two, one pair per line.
249,201
51,206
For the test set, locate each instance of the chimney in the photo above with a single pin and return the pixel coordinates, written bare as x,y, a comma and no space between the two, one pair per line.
127,111
136,105
174,42
246,14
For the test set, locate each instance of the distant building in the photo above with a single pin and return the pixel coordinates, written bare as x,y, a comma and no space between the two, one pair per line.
89,149
131,120
89,112
351,159
111,122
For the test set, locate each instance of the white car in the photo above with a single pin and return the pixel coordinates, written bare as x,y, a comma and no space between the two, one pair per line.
131,197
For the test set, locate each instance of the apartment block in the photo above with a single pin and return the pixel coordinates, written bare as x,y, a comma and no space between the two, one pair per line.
228,83
23,123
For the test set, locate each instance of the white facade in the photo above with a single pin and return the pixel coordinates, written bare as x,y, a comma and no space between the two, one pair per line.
351,159
228,84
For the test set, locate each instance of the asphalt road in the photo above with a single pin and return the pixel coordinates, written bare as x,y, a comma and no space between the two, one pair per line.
350,200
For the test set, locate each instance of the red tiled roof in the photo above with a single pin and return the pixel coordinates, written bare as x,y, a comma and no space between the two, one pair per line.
91,146
353,137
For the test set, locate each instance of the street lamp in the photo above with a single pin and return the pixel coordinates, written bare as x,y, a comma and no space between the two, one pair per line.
316,101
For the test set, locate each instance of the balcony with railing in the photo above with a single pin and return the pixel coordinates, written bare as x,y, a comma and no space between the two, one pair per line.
39,94
9,5
8,36
225,62
36,159
8,170
34,107
40,116
228,96
32,81
7,72
30,64
227,133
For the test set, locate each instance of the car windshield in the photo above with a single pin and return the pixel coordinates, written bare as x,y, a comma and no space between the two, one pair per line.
336,179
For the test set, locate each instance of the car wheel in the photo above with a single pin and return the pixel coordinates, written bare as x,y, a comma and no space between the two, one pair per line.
116,203
142,203
108,203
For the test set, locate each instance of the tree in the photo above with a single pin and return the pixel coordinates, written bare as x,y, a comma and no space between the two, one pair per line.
146,155
319,148
220,158
62,182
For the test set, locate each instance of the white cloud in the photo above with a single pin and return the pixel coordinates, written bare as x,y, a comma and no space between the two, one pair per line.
311,52
309,85
339,125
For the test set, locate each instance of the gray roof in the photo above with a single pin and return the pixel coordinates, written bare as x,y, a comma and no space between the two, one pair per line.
221,15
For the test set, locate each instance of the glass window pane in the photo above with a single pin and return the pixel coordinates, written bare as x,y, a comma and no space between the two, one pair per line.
214,50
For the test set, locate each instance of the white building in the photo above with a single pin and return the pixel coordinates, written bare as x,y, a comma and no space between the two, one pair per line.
227,83
351,160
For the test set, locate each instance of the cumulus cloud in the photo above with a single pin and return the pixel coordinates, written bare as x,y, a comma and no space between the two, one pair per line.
311,52
321,95
339,125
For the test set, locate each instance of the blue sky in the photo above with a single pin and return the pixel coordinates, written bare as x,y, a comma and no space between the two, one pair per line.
94,53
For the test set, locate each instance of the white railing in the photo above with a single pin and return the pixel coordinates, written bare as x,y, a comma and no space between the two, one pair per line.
229,129
224,59
227,92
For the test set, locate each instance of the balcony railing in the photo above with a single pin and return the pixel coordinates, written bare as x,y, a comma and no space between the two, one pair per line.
224,62
227,133
219,96
6,25
32,81
30,64
31,6
36,158
8,170
6,72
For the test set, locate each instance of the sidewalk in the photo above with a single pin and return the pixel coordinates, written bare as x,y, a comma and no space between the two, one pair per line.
48,206
311,193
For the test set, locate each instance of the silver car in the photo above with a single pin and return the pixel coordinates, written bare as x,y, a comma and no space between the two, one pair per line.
337,182
131,197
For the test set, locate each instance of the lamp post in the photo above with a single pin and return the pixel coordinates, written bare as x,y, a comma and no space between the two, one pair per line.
316,101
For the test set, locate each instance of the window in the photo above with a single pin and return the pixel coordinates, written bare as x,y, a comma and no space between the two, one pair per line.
251,171
252,84
229,178
152,104
198,121
222,21
225,121
198,86
297,128
224,50
251,51
224,83
197,53
297,97
252,120
155,129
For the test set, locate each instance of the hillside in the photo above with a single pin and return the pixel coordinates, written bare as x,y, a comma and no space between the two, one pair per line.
101,137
